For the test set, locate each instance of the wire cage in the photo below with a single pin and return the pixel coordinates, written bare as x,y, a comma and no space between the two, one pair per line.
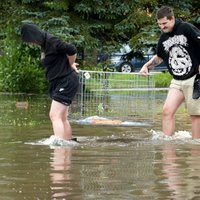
125,97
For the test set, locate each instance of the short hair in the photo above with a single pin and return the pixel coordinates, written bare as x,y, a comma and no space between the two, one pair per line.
165,11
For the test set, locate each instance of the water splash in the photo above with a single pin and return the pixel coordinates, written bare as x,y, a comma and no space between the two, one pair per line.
179,135
55,141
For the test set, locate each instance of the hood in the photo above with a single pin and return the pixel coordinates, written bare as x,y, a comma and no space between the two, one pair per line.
177,23
33,34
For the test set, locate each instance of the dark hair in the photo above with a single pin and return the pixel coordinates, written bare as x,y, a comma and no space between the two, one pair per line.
165,11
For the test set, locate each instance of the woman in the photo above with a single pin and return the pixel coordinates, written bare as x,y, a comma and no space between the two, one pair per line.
58,59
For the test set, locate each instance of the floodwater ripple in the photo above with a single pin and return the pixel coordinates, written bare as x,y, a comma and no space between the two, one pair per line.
109,162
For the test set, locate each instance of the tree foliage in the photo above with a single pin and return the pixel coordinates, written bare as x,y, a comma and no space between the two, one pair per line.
90,24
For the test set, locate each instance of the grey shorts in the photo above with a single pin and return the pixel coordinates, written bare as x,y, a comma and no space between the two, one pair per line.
186,86
64,89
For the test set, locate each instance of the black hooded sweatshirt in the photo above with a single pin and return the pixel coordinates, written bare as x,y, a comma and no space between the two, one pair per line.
180,50
54,51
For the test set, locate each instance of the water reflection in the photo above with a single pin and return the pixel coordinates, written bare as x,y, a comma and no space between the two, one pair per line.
171,171
179,173
60,174
110,163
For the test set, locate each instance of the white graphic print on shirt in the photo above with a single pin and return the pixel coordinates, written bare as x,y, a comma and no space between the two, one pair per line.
179,58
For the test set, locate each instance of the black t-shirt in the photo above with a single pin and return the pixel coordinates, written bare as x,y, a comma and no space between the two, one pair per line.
180,50
55,59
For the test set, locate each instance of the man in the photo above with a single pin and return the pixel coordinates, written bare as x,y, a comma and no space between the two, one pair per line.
58,59
179,48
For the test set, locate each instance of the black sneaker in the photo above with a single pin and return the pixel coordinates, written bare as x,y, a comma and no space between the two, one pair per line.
75,140
196,87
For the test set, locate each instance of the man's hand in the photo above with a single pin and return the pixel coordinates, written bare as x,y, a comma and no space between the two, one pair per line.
144,71
154,61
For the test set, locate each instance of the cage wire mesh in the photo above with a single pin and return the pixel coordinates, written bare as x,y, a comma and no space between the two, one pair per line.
114,98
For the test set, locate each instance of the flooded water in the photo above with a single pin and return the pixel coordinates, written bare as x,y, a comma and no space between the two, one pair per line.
109,162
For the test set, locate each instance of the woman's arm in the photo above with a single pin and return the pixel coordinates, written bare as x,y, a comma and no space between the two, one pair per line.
72,62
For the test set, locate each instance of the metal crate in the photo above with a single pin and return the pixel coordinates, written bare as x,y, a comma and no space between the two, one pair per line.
116,96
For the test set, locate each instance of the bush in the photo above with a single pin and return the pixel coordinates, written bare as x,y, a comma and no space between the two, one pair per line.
19,70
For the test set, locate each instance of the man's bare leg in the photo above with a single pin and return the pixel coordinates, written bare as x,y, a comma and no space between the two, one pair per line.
174,99
195,126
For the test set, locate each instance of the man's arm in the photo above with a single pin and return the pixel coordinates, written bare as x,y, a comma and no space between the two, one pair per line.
154,61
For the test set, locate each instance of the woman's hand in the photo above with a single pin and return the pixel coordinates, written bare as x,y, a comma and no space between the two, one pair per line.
75,67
